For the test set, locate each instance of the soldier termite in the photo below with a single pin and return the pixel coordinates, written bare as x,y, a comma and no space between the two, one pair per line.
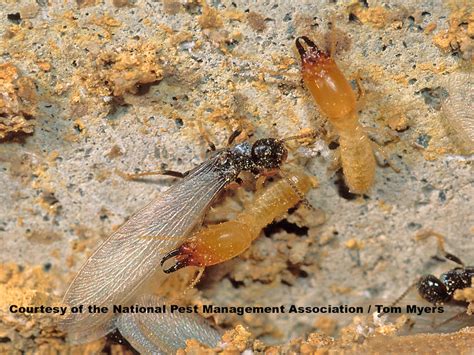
337,101
220,242
132,254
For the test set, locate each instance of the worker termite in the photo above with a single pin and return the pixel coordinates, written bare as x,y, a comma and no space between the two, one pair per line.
132,254
337,101
220,242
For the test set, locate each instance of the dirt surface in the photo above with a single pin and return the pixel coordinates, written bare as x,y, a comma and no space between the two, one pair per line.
92,89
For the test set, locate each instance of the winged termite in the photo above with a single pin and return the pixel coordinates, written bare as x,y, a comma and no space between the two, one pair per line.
151,333
132,254
431,304
440,295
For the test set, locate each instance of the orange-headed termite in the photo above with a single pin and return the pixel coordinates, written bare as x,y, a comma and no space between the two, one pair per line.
132,254
337,101
220,242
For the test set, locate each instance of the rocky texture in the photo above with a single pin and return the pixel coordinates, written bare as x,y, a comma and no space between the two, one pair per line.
17,103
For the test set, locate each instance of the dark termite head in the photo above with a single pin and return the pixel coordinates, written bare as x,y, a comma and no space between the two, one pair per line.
266,153
269,153
432,289
310,54
457,279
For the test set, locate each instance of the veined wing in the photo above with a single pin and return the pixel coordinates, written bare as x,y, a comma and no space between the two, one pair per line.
152,333
133,253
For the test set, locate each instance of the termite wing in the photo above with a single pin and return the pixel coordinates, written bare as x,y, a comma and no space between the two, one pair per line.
131,255
152,333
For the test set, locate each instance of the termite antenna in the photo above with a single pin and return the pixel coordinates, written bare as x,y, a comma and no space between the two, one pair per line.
197,278
424,234
313,134
297,191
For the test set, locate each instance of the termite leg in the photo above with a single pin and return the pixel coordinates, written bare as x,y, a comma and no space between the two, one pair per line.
205,135
384,154
375,131
361,92
312,134
402,296
424,234
137,176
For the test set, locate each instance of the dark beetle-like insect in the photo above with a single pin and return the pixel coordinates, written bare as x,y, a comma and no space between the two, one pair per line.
132,254
441,290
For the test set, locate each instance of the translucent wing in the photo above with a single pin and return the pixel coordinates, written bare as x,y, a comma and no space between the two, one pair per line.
133,253
458,107
164,332
452,319
425,318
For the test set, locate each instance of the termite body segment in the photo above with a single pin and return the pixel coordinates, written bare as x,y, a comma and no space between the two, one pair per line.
220,242
337,101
